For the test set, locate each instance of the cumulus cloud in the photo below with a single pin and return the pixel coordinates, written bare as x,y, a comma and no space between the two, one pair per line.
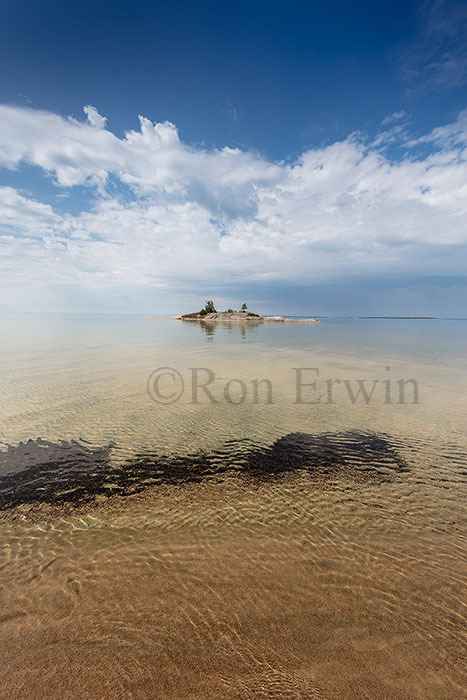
168,215
94,118
24,215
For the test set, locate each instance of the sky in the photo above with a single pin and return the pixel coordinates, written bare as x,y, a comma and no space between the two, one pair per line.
304,157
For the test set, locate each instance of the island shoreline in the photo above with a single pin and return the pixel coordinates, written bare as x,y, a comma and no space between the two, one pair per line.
239,316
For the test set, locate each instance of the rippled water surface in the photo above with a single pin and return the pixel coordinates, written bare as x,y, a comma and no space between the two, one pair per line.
261,537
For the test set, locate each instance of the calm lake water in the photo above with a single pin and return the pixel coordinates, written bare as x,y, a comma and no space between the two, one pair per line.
232,511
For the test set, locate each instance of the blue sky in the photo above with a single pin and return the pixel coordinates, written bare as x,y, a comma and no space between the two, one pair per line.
309,157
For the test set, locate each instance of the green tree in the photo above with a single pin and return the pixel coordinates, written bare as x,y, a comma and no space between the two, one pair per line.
209,308
244,307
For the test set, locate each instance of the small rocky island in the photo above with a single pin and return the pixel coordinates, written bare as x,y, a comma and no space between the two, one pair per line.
209,313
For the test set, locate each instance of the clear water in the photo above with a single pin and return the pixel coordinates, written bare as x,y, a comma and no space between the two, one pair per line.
232,545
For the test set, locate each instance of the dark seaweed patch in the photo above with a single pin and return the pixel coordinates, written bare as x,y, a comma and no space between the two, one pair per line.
328,454
41,471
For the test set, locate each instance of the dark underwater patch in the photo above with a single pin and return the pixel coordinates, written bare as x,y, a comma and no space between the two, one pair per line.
329,454
73,472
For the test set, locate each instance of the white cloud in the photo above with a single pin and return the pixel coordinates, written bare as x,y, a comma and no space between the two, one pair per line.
23,215
94,118
169,215
393,118
453,134
436,58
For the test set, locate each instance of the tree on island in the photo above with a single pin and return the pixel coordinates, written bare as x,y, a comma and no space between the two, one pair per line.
244,307
209,308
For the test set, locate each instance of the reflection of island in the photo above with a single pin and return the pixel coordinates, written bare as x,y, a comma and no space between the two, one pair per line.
210,327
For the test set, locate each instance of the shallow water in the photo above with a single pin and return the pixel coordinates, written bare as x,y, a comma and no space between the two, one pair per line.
249,543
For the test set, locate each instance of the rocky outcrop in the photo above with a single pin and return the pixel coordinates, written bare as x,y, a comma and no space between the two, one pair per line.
242,316
220,316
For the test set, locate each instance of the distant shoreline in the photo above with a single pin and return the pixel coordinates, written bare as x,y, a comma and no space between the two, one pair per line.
408,318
